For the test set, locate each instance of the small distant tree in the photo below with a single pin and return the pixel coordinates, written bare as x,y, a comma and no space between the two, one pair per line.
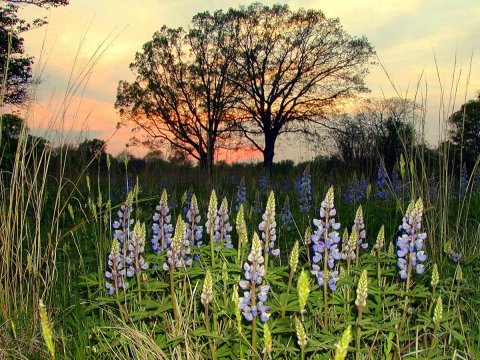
91,148
380,129
465,132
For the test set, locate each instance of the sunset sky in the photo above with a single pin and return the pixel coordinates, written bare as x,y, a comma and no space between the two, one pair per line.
407,36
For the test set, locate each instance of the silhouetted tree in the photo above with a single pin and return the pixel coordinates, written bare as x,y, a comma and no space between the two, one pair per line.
91,148
15,66
181,95
465,132
291,67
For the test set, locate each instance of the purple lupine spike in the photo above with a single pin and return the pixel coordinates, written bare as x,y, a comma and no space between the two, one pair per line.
359,228
268,227
222,234
325,242
193,231
115,274
136,246
162,228
305,198
122,225
178,254
286,218
254,271
241,194
382,177
410,243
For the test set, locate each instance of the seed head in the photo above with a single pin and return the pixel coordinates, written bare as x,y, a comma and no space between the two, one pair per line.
458,274
47,328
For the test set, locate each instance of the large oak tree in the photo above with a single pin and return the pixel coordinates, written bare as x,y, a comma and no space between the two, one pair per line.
291,68
182,96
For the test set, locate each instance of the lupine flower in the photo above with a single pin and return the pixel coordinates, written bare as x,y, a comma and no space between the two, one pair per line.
241,228
456,257
268,227
257,204
293,260
410,244
435,276
300,331
380,240
186,201
207,292
286,217
162,228
359,228
303,289
115,273
362,290
122,225
325,241
263,182
342,346
396,184
241,194
223,231
254,272
349,245
382,177
305,198
212,216
356,191
267,340
438,312
136,247
193,231
178,254
458,273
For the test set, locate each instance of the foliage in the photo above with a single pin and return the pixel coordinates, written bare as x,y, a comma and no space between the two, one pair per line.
181,95
465,131
291,67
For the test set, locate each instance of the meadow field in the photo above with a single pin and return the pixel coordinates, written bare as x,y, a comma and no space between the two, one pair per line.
306,261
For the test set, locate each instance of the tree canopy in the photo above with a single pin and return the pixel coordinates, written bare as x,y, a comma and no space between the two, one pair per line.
181,95
291,67
465,131
260,71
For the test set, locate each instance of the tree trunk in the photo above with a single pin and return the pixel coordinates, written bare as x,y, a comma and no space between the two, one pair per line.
269,150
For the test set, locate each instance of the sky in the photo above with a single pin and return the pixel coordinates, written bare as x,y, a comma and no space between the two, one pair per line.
428,50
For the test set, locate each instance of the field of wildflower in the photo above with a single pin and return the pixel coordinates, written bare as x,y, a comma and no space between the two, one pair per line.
290,264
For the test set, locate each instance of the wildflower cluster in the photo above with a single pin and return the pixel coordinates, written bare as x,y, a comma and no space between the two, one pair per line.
255,294
356,191
410,242
382,178
162,228
325,241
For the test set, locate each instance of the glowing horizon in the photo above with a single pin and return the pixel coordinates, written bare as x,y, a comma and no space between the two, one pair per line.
413,39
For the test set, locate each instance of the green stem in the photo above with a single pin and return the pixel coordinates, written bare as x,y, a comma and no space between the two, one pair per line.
285,303
325,287
176,314
211,344
254,337
359,332
212,251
